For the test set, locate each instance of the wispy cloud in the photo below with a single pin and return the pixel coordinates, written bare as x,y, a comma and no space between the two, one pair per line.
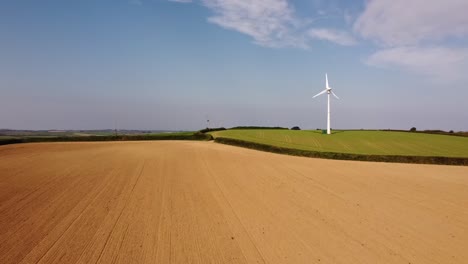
402,22
410,35
270,23
348,17
438,62
336,36
273,23
417,35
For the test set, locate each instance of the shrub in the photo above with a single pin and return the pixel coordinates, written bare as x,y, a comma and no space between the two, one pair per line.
413,129
212,129
295,128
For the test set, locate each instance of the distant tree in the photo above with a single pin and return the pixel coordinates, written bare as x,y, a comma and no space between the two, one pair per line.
413,129
451,131
212,129
295,128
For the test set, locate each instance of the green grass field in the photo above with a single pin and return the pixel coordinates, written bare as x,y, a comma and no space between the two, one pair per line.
356,142
6,137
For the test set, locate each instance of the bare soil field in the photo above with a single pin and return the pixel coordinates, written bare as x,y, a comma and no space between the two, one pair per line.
202,202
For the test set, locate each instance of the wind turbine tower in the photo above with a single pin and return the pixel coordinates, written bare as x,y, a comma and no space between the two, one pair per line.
329,91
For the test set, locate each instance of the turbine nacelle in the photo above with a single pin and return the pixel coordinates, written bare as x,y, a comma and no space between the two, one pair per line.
327,90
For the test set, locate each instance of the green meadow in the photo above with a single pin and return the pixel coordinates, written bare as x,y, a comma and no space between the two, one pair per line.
355,141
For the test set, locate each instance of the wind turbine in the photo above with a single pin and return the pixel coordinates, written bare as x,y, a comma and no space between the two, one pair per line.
329,91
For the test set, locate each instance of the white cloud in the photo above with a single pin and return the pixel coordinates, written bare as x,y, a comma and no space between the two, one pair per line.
420,36
348,17
439,62
336,36
270,23
409,22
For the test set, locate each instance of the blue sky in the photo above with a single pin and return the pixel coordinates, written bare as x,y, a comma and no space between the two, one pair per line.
160,64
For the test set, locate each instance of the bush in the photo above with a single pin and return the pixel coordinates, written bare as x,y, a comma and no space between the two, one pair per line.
413,129
295,128
212,129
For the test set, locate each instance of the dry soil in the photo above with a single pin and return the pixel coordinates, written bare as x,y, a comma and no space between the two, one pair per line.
201,202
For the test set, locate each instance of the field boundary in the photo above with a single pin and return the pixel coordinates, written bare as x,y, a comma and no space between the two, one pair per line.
344,156
163,136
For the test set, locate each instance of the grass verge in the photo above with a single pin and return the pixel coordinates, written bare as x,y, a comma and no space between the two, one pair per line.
345,156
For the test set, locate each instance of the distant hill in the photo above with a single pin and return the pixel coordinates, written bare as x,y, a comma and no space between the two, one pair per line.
62,133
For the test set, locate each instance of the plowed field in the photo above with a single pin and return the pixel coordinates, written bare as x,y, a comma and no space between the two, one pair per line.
202,202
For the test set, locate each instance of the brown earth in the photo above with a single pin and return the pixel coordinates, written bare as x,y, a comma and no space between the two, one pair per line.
201,202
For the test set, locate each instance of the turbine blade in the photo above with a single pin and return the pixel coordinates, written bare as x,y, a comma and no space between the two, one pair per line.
324,91
326,81
335,95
